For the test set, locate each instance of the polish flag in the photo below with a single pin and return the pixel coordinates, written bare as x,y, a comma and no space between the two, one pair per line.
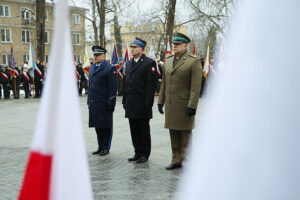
57,168
127,54
194,50
169,50
153,57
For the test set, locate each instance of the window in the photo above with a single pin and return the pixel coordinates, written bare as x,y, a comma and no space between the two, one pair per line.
46,37
5,35
76,19
4,11
6,59
25,36
76,38
25,58
77,58
25,13
46,15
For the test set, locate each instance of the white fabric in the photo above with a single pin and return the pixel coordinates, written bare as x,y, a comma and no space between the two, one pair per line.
246,145
86,60
59,126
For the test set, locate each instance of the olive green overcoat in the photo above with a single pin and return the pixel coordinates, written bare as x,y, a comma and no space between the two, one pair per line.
180,88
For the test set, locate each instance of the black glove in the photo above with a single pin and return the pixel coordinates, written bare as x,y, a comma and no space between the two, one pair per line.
160,108
190,111
111,108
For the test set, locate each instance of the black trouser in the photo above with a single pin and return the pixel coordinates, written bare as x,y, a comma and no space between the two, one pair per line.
104,137
140,136
6,91
26,89
38,84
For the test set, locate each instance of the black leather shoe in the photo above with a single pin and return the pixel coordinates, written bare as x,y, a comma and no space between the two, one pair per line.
134,158
104,152
97,152
173,166
141,159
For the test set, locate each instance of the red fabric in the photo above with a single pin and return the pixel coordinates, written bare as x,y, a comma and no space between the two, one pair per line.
38,71
86,69
4,75
194,50
36,183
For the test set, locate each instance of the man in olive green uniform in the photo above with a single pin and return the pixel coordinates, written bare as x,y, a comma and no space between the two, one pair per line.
179,92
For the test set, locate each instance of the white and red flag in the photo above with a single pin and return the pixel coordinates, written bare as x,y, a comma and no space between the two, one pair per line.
57,168
153,57
169,50
127,54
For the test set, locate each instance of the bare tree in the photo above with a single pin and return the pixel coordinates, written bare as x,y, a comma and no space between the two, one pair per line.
101,7
170,20
40,29
210,16
117,30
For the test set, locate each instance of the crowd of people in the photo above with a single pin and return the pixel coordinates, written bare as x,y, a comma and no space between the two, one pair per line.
19,77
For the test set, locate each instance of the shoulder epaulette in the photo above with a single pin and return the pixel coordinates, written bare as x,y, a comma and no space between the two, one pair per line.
192,55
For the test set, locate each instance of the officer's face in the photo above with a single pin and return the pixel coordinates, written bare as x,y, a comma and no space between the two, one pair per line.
99,58
136,51
179,48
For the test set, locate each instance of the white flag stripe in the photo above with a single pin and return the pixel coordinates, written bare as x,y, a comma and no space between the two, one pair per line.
247,144
59,128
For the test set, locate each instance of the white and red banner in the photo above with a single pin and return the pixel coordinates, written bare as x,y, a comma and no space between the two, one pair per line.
57,168
153,57
26,76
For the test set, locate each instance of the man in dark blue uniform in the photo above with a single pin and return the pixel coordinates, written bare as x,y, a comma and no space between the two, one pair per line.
140,85
102,99
38,79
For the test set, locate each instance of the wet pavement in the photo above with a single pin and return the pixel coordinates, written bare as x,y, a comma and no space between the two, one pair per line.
113,177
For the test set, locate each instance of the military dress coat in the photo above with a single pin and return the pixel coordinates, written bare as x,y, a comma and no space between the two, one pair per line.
101,95
140,86
180,87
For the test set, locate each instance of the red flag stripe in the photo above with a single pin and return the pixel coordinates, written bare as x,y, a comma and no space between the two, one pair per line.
36,183
25,75
38,71
4,75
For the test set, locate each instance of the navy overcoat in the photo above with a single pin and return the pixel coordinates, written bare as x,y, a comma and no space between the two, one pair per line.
140,86
102,95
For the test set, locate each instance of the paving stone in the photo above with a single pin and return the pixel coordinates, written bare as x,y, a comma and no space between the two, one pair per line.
112,176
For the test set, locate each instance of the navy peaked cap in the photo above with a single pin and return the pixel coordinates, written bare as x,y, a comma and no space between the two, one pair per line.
98,50
139,42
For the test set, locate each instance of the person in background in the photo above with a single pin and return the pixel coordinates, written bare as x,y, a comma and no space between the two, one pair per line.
38,79
25,80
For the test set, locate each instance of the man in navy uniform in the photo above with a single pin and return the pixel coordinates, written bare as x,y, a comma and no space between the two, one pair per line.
38,79
102,99
140,85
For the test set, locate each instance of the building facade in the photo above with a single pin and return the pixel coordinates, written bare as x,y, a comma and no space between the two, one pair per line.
18,31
